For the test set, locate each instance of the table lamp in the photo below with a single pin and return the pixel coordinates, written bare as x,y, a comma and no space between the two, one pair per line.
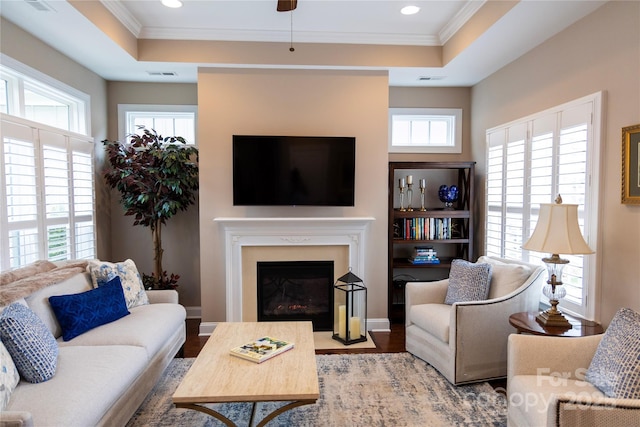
556,232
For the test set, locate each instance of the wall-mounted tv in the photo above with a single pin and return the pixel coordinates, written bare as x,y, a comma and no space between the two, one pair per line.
293,170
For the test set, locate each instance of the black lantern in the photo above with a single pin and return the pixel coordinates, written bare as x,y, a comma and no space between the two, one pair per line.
349,309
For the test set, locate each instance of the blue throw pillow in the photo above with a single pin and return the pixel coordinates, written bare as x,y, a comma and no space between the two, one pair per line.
615,367
468,281
31,346
79,313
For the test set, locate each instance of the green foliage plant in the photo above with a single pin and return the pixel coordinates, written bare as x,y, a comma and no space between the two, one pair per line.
156,177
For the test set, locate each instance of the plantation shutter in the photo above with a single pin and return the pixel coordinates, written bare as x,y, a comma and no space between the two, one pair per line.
20,236
56,195
47,195
83,198
505,191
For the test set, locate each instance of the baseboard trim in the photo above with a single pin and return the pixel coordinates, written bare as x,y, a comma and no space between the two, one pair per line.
381,325
194,312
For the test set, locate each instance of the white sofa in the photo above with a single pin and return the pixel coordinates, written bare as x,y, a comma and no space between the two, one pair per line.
103,375
546,385
467,341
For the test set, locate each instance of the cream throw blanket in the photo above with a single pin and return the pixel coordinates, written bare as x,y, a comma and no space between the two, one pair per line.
25,285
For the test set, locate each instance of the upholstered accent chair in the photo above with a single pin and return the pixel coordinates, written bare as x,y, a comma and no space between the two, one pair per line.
575,382
546,385
467,341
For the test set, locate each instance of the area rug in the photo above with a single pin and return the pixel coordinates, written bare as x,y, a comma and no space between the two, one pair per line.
393,389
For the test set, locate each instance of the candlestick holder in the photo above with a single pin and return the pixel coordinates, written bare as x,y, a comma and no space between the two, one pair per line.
402,208
422,208
409,197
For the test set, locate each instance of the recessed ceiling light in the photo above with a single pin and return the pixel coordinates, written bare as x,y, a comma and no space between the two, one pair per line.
409,10
172,3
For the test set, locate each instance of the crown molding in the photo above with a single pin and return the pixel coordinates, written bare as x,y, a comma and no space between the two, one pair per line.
285,36
122,14
458,21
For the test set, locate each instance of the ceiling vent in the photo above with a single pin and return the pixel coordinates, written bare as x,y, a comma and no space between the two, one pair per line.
40,5
162,73
430,78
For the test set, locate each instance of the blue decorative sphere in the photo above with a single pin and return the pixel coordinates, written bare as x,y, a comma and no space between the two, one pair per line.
448,195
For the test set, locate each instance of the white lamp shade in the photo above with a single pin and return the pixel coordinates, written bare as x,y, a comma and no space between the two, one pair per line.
558,231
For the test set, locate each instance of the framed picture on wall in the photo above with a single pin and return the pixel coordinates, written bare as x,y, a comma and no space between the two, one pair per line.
631,165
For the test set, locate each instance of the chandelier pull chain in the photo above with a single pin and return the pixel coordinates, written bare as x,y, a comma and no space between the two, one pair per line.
291,49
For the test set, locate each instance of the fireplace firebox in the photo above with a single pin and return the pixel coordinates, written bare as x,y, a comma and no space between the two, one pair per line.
296,290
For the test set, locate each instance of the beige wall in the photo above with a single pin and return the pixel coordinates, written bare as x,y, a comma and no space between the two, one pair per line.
180,236
599,53
291,102
30,51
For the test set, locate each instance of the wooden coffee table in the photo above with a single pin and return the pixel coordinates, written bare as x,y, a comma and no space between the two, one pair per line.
218,377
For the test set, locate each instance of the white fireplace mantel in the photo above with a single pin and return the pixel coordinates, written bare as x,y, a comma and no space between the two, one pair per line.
239,232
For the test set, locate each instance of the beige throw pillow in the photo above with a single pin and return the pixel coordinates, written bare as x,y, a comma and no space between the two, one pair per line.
505,277
102,272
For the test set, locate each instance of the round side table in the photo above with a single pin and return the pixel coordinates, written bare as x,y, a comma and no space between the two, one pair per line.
525,322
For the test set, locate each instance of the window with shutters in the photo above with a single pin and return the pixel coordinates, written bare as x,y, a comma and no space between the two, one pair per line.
46,170
47,183
529,162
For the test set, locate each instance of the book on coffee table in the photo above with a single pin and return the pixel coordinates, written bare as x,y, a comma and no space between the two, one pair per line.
261,349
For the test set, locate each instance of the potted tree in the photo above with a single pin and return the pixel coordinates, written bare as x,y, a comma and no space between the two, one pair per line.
157,177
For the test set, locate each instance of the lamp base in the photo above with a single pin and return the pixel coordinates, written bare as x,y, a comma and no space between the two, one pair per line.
553,318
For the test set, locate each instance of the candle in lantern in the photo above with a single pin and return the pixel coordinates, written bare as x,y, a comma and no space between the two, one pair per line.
342,322
401,182
423,183
354,328
410,179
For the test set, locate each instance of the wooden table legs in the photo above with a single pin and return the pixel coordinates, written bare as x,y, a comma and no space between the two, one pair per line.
229,423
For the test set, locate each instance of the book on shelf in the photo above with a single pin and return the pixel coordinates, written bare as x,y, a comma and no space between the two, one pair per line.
424,260
424,251
261,349
426,228
424,255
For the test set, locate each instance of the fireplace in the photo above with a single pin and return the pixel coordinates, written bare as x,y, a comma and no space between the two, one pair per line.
248,241
296,290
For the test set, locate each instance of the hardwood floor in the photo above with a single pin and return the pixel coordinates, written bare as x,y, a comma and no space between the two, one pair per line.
386,342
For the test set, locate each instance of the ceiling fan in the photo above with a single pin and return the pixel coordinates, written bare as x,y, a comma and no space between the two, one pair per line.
286,5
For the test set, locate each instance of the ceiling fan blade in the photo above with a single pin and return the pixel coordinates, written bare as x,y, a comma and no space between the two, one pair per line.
287,5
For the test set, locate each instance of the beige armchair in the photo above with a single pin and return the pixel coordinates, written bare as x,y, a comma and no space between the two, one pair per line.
467,341
546,386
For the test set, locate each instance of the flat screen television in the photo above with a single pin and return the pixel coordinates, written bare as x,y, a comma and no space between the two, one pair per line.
293,170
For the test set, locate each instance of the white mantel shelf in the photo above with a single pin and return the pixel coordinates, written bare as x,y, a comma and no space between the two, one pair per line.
294,222
280,231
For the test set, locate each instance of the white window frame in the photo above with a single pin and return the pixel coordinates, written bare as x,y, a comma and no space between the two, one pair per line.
127,114
20,77
452,117
589,212
79,244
